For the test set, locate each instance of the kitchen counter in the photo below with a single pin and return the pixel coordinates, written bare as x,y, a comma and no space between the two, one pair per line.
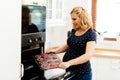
108,53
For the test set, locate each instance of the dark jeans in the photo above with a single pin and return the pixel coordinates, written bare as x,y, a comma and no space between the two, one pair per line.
77,76
86,76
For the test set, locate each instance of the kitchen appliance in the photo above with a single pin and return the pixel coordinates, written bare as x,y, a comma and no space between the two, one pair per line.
32,44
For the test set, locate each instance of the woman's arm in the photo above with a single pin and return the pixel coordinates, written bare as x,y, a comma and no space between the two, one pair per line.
58,49
62,49
81,59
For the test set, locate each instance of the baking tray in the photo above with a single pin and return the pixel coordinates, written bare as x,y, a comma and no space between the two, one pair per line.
47,60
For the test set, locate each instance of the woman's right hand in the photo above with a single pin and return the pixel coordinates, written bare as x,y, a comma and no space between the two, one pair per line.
53,49
49,50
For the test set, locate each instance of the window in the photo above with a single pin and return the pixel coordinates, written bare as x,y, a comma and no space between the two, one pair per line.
54,10
108,15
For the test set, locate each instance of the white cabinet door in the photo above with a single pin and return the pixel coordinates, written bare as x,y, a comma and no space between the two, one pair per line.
114,69
94,65
105,68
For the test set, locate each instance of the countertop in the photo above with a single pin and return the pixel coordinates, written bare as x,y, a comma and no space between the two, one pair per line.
108,53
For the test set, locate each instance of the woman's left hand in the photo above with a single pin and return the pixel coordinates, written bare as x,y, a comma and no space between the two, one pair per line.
64,65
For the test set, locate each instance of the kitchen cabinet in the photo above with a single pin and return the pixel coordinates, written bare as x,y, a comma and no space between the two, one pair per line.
105,68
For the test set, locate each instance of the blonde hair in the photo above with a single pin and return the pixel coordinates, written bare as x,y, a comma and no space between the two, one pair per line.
85,22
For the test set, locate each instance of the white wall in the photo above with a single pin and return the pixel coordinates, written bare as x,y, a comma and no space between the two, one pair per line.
55,36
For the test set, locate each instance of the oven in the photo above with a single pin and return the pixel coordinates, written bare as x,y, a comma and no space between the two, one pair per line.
32,44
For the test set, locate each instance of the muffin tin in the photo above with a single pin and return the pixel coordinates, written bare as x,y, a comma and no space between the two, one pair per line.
47,60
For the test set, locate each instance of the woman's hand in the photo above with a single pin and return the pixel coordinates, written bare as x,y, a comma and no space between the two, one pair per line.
64,65
50,50
53,49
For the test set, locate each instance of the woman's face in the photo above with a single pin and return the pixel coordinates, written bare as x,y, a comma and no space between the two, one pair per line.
75,20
